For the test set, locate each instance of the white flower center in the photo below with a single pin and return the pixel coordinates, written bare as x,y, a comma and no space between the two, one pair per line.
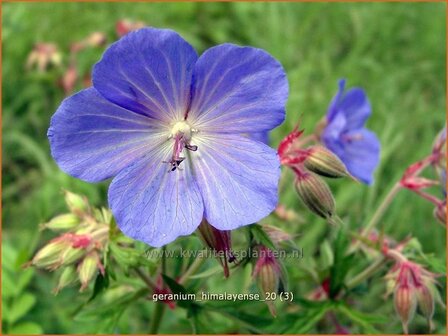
182,127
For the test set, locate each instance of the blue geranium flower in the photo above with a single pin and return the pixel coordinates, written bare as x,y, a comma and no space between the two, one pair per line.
346,136
174,132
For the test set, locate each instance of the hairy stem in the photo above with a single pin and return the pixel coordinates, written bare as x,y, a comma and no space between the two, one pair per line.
381,209
367,273
157,316
146,279
191,270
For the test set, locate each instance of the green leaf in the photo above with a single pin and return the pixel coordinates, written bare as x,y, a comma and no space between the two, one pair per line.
309,318
249,321
207,273
21,306
342,264
26,328
435,264
128,257
108,309
326,255
101,284
362,319
9,289
192,306
24,278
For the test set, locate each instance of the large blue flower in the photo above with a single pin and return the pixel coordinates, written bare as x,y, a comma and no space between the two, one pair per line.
175,131
346,136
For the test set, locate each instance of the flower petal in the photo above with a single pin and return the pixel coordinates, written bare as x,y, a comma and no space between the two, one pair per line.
93,139
153,204
333,108
148,71
332,132
356,107
360,152
237,90
260,136
238,179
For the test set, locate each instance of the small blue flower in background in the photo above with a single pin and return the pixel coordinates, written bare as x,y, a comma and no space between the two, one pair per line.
174,131
346,136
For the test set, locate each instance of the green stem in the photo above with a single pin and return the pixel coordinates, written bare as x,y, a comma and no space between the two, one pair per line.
157,316
382,208
191,270
159,308
146,279
164,260
367,273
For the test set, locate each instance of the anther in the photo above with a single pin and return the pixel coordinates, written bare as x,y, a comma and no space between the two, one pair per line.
193,148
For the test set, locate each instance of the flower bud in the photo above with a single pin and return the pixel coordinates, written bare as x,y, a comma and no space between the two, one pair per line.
87,269
323,162
96,39
76,203
316,195
71,255
122,27
267,271
67,277
49,256
425,299
277,235
405,304
285,214
62,222
219,241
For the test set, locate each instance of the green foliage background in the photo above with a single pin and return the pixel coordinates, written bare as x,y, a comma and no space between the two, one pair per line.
395,51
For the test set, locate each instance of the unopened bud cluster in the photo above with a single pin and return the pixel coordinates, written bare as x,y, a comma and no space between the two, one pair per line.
413,180
43,56
78,250
412,287
310,165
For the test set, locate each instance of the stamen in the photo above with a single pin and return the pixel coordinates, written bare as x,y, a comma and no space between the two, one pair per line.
181,132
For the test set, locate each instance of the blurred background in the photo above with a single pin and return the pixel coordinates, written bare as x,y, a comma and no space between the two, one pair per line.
396,52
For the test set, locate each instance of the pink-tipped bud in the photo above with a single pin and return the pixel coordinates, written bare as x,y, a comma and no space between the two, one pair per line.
425,299
405,302
323,162
76,203
67,277
125,26
267,271
62,222
68,80
87,268
219,241
316,195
